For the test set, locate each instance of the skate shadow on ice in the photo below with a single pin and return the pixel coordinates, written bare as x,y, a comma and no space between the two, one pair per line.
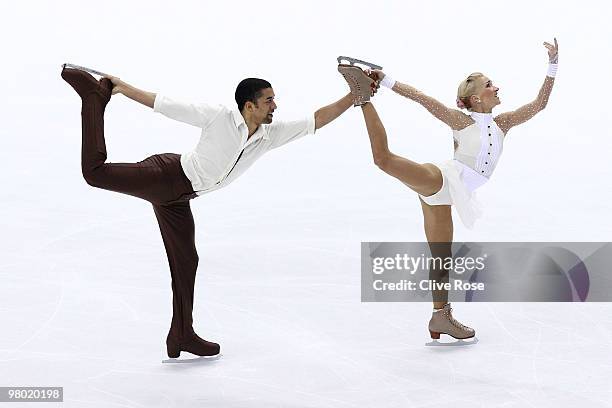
203,360
456,343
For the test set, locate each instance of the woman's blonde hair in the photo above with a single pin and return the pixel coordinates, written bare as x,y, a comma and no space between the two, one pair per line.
467,88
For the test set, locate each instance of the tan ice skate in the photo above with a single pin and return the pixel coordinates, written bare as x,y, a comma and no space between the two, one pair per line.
362,86
443,322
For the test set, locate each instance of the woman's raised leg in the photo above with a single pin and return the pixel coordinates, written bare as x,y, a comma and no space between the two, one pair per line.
425,179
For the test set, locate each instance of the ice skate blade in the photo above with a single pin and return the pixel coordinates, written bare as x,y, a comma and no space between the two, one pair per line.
456,343
353,61
195,360
80,68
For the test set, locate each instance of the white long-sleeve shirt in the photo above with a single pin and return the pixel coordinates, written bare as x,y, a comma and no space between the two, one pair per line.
225,151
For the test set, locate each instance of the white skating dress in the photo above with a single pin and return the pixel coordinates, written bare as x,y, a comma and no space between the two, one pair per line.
479,147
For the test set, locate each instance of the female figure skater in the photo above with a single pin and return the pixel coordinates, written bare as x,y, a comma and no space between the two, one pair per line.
478,138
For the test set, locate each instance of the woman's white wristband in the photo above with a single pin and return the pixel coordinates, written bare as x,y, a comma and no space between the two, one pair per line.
552,70
387,81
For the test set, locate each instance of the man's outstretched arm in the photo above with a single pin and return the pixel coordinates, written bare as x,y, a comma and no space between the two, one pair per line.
135,94
195,114
330,112
282,133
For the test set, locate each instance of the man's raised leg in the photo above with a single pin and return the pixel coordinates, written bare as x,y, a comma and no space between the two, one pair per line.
147,179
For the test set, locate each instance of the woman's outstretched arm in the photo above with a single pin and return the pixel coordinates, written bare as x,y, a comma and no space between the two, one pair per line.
454,118
507,120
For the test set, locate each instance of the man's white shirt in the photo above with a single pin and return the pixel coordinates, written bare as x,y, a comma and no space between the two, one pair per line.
214,161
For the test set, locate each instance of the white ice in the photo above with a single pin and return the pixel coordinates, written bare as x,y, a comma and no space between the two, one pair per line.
85,299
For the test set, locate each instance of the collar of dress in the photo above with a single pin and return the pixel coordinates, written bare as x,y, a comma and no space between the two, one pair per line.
482,117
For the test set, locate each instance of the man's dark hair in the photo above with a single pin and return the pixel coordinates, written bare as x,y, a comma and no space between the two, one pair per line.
248,90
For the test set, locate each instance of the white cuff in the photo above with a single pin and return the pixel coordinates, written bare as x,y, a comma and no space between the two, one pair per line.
312,125
552,70
157,103
388,81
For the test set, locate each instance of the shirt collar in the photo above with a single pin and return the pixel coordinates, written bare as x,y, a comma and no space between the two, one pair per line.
239,120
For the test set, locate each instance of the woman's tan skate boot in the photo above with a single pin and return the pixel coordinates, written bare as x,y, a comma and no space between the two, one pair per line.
443,322
362,86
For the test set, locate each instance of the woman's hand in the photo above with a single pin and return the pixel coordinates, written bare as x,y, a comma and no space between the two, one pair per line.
375,74
553,52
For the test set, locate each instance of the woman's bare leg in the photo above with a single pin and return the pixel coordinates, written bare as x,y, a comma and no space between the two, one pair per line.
438,222
439,232
425,179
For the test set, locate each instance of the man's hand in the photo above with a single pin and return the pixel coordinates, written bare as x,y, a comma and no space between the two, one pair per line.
118,85
135,94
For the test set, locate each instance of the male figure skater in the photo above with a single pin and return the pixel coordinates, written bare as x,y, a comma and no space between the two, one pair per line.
231,140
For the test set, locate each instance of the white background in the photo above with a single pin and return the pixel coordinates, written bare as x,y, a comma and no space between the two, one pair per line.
85,299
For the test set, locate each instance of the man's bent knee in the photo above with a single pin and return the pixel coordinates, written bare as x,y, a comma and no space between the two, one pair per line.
93,177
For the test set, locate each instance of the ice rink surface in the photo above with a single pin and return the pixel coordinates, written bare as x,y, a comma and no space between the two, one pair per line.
85,299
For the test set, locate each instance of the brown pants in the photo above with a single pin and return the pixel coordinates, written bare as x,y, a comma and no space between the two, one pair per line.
160,180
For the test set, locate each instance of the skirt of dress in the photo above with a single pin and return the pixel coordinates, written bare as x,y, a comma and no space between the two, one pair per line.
458,185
